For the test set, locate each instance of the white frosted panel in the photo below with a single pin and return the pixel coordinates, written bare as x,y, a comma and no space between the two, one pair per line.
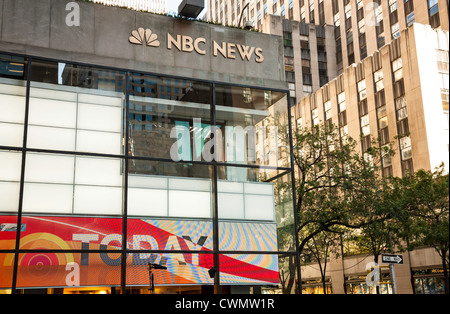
9,196
259,188
190,184
98,171
99,99
52,112
101,118
259,207
189,204
51,138
137,181
99,142
147,202
52,93
11,134
98,200
231,206
230,187
47,198
49,168
13,89
12,108
10,166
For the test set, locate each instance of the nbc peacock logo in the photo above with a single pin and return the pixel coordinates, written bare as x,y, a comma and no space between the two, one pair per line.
141,35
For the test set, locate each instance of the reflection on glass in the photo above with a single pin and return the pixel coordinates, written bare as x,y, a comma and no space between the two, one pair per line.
252,126
75,108
266,196
12,100
168,118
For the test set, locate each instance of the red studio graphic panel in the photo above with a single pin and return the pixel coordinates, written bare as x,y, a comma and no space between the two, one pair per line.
99,261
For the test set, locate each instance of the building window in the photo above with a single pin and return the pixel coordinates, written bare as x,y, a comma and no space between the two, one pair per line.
307,89
311,8
289,63
315,117
378,80
327,109
443,68
397,69
392,5
380,41
359,4
395,30
343,128
287,38
433,12
290,77
348,11
410,19
321,13
337,20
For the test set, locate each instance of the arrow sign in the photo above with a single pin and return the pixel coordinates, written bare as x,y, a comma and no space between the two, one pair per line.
392,258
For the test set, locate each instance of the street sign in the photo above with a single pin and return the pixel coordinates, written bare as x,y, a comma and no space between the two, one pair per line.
392,258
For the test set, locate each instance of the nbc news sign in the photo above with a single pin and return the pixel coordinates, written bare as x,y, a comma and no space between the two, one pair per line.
184,43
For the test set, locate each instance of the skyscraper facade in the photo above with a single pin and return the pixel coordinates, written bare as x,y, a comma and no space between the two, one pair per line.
360,26
399,95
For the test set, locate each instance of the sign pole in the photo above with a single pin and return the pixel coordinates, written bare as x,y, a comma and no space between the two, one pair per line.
391,266
394,289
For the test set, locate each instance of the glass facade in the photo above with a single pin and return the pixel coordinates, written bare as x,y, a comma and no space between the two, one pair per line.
104,172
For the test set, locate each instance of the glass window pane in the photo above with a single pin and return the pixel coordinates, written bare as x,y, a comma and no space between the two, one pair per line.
250,195
47,198
253,126
47,168
8,230
6,269
70,233
165,113
76,108
269,273
69,184
44,269
168,189
12,99
170,235
181,269
10,172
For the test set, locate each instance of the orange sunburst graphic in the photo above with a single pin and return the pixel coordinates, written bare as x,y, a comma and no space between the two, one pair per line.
42,268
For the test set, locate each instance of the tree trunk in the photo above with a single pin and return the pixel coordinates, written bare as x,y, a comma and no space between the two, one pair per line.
444,265
324,286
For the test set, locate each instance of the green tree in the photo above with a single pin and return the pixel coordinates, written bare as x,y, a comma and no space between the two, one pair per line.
321,246
335,184
425,218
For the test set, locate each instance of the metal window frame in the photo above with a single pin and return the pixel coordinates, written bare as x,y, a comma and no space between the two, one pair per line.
126,157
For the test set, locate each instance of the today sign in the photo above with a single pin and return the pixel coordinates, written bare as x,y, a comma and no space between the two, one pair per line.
184,43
